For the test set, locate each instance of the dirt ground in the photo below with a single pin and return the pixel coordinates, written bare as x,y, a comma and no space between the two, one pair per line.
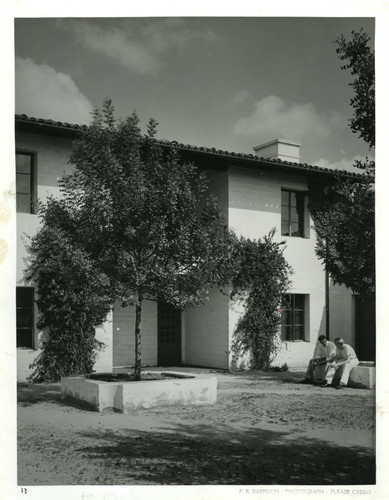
265,429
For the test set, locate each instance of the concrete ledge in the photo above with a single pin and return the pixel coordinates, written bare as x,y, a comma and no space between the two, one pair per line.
190,389
99,395
362,376
184,388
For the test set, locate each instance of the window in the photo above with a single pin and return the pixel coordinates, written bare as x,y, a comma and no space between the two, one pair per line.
25,190
292,213
25,317
292,317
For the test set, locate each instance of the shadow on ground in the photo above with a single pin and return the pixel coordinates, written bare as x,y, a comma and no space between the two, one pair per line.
29,394
204,445
198,455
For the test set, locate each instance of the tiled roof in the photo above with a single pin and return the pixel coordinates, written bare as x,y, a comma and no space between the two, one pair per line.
49,123
217,153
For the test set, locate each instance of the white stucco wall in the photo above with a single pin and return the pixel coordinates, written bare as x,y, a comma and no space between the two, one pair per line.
250,201
254,209
206,341
342,314
104,356
52,154
205,332
124,335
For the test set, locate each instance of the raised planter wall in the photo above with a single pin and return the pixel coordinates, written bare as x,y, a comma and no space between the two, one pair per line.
363,376
184,388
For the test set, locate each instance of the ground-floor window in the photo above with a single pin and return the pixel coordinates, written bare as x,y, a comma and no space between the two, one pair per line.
25,317
292,317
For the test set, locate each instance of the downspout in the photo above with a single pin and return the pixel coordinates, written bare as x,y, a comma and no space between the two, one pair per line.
327,295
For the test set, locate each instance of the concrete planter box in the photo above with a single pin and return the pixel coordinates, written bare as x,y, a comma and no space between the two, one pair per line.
182,388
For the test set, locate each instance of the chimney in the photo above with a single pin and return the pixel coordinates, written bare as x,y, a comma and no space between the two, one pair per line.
279,149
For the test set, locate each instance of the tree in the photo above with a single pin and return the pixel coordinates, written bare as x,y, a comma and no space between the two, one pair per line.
360,60
343,213
142,219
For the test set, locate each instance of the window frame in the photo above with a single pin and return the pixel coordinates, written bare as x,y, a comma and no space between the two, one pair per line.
292,317
302,223
33,178
31,308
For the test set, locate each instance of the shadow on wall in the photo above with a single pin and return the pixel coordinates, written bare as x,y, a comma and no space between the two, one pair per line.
322,327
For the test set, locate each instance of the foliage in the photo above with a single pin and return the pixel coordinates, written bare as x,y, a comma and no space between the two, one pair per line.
343,213
344,222
261,278
360,60
282,368
73,300
142,219
133,222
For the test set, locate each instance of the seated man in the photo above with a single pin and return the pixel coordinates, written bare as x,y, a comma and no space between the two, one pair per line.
344,362
324,353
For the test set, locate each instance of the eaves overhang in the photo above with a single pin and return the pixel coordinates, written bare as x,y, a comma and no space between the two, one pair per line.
203,155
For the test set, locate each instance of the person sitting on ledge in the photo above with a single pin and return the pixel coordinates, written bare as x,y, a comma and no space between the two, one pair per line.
324,353
344,362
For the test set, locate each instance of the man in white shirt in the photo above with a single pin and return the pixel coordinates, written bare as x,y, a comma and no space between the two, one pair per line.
344,362
324,353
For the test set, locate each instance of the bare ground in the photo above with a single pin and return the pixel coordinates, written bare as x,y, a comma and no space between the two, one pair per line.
265,429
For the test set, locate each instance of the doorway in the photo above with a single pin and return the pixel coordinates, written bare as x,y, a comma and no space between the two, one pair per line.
169,335
365,328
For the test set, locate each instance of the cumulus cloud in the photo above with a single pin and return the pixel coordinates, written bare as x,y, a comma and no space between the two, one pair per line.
273,117
140,50
42,92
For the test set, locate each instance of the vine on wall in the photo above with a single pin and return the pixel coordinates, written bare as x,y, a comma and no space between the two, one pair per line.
73,300
262,278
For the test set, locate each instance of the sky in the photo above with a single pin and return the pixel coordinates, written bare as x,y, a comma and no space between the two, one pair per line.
229,83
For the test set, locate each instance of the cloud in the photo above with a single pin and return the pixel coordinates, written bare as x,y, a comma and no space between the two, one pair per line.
168,33
273,117
42,92
138,49
116,44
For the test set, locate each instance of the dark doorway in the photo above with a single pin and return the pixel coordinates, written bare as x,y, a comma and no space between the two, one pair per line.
169,335
365,328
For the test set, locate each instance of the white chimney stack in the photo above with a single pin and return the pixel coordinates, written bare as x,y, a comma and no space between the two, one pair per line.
279,149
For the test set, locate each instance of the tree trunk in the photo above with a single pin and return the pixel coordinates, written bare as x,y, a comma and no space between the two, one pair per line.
138,340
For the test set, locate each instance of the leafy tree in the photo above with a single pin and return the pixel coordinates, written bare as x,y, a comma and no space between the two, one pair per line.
143,222
343,213
359,58
261,278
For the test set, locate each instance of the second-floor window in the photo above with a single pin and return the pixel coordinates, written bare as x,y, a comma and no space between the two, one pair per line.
25,182
292,213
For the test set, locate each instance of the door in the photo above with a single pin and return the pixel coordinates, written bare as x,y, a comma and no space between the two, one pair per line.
365,328
169,335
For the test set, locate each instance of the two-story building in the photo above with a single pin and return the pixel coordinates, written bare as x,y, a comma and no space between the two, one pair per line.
256,193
